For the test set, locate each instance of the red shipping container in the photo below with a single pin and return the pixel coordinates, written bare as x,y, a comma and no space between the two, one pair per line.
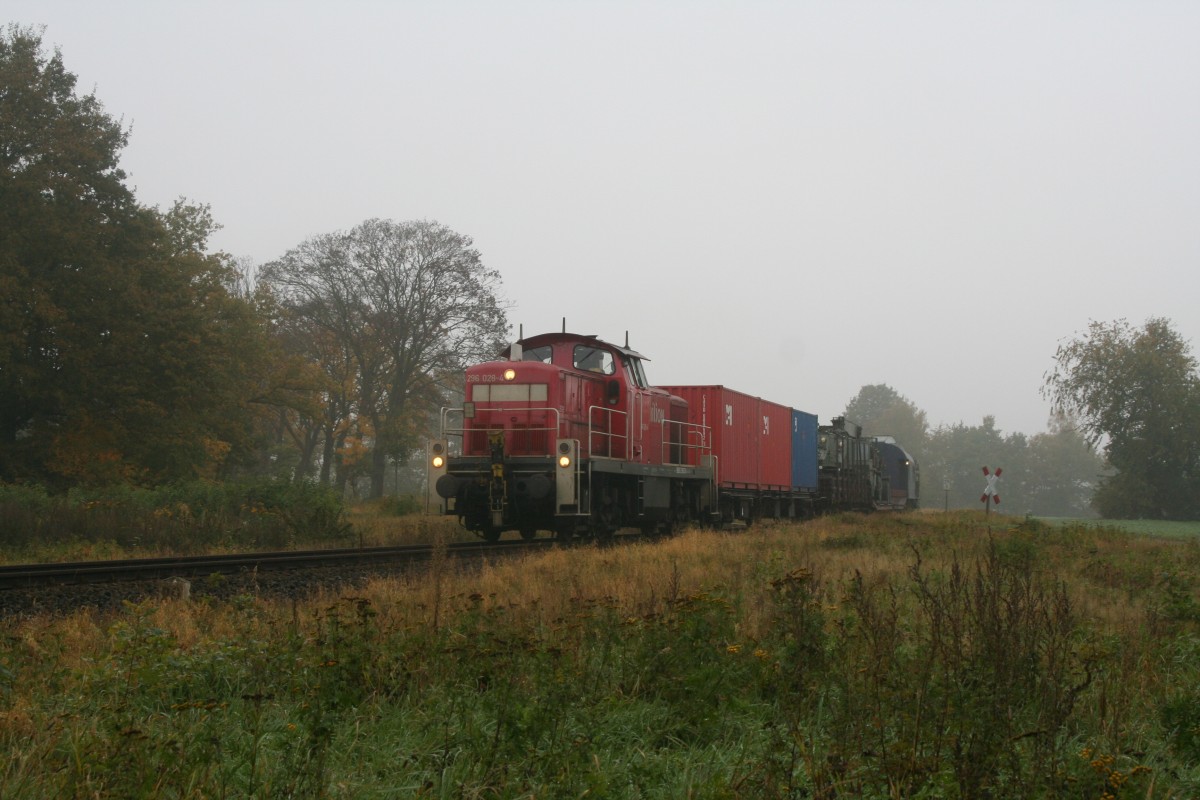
751,437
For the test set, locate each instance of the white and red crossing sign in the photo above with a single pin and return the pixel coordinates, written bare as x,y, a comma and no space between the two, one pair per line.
989,491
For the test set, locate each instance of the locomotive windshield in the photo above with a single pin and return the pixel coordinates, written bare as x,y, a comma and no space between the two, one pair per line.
541,354
593,359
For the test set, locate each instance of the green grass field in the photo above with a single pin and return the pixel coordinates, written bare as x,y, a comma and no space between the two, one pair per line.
1145,527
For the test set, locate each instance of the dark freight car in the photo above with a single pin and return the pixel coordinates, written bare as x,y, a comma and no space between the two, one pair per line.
851,470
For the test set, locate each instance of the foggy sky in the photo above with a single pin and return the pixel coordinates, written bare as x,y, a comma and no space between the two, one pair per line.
790,199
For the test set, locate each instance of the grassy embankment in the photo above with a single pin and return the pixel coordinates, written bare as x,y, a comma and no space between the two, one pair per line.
895,656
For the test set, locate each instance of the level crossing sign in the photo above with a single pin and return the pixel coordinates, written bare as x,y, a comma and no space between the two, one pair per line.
990,494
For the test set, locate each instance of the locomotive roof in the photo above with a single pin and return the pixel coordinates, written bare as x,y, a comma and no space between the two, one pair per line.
557,338
890,442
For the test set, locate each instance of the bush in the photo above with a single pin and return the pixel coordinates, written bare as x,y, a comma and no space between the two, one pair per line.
401,505
182,517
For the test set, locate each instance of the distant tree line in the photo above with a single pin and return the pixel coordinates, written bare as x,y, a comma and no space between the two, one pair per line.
1124,442
1049,474
131,354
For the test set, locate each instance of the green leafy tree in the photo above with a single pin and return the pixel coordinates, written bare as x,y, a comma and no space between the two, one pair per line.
123,354
286,391
405,304
318,421
881,410
1137,392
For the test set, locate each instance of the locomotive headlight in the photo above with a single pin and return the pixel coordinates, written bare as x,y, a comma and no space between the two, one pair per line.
439,455
564,461
439,462
509,374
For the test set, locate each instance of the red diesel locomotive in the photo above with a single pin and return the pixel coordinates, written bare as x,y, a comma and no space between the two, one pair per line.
565,434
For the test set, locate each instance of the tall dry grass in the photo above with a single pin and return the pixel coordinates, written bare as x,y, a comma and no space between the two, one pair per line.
1110,577
848,656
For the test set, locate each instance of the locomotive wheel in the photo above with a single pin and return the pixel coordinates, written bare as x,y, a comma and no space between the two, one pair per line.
528,533
565,532
606,523
660,528
492,535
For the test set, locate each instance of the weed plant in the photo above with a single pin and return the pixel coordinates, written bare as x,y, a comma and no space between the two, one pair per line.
931,656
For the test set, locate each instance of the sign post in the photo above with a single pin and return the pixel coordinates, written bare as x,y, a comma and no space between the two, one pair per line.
990,495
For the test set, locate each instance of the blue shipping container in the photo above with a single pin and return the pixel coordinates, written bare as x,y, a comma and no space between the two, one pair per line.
804,450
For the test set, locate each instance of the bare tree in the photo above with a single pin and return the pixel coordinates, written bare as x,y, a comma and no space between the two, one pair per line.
410,303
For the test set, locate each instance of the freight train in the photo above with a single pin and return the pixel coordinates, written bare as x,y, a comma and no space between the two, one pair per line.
564,433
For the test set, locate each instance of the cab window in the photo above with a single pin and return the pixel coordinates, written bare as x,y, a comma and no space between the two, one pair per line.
593,359
541,354
638,373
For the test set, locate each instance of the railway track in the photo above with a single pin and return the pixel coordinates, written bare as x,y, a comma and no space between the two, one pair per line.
32,576
58,588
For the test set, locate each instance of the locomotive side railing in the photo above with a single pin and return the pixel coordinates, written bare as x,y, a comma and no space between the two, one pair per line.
518,441
607,436
448,430
683,443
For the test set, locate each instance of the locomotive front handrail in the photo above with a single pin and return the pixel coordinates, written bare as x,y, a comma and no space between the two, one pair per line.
553,431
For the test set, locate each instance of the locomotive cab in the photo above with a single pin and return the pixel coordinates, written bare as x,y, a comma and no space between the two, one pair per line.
562,433
903,475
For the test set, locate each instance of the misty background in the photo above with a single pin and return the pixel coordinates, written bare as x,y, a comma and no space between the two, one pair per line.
791,200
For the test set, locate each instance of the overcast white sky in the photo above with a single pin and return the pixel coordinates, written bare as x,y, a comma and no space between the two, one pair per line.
791,199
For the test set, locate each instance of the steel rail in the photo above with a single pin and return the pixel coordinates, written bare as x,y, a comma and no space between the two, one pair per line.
25,576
